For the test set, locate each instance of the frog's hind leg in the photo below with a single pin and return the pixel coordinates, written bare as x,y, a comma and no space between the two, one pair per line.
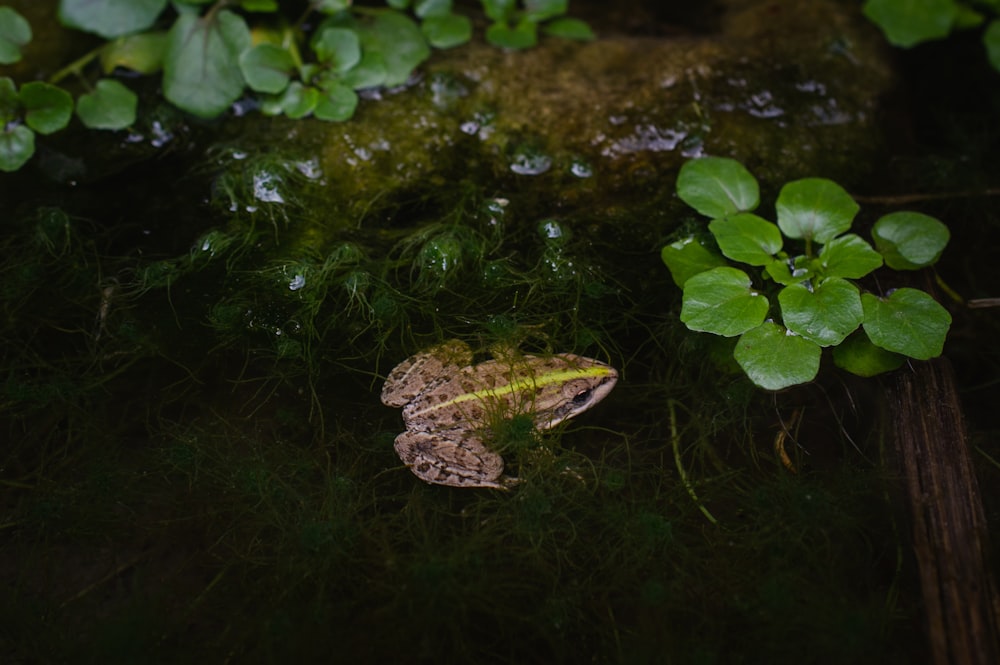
458,462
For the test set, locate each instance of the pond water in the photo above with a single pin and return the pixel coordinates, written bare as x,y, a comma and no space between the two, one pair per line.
199,320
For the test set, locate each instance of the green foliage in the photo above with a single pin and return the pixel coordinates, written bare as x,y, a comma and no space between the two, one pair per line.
907,23
110,18
818,305
910,240
717,187
201,70
36,107
208,61
110,106
15,32
518,29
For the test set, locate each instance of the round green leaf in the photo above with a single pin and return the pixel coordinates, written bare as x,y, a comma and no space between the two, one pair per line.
141,53
790,270
909,321
399,43
340,47
10,107
717,186
15,32
747,238
298,100
499,10
859,356
910,240
259,5
336,6
447,31
110,106
774,358
542,10
521,36
909,22
17,145
991,40
848,256
428,8
687,257
48,108
201,69
825,314
266,68
720,301
368,73
110,18
815,209
569,28
336,103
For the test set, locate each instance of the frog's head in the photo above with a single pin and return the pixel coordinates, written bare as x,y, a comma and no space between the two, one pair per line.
570,385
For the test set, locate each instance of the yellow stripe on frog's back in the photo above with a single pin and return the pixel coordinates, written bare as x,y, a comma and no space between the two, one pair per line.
529,383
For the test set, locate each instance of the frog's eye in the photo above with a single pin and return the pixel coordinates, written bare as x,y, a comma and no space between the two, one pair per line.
582,397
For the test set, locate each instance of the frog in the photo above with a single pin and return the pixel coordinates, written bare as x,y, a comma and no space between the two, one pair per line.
448,402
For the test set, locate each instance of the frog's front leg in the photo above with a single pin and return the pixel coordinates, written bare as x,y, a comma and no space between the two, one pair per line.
457,460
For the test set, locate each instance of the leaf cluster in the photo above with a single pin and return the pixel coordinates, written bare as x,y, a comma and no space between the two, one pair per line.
211,51
42,108
819,302
907,23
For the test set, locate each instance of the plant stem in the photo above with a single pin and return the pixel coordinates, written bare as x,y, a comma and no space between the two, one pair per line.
676,443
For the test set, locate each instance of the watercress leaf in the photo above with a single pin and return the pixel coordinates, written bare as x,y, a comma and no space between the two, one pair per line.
399,43
335,6
368,73
340,47
447,31
17,145
109,106
142,53
259,5
780,271
909,22
688,257
824,314
48,108
859,356
266,68
298,100
427,8
747,238
201,69
717,186
721,301
909,321
521,36
15,32
336,103
773,358
498,10
991,40
815,209
542,10
569,28
910,240
848,256
10,107
110,18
